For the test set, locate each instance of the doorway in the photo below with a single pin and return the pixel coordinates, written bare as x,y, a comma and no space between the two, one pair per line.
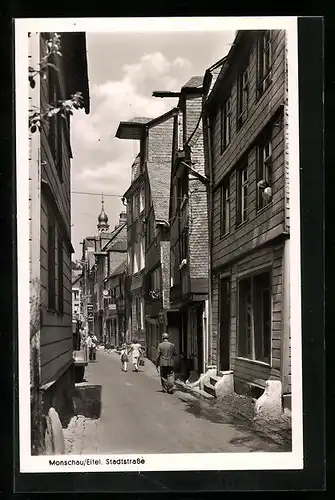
224,320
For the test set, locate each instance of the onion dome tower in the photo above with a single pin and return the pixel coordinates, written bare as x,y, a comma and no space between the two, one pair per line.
103,225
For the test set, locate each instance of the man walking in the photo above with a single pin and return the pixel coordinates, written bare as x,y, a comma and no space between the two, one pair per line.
165,354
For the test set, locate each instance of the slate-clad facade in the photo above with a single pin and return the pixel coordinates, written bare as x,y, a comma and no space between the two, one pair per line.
247,157
50,230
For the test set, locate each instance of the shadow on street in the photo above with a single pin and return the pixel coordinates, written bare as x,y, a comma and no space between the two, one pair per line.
87,400
214,411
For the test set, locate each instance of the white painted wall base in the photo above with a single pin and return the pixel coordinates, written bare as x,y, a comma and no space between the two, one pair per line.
54,436
225,385
269,405
204,378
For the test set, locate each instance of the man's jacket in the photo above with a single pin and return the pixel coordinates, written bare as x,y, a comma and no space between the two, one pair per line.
165,353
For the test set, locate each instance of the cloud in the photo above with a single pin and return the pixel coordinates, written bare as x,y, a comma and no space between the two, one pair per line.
101,162
93,136
111,176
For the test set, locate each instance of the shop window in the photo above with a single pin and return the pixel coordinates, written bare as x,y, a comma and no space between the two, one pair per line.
254,332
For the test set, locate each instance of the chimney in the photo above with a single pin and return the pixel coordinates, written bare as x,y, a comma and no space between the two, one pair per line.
123,218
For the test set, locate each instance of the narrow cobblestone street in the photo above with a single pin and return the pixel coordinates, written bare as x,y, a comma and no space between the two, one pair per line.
136,417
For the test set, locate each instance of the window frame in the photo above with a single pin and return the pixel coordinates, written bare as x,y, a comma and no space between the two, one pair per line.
142,199
250,345
141,252
60,276
242,186
264,74
135,268
225,206
51,263
242,107
264,169
226,124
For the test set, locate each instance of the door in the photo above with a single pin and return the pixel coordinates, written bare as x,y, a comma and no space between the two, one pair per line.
200,334
224,320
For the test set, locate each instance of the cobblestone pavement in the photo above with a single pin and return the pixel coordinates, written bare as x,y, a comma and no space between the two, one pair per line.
136,417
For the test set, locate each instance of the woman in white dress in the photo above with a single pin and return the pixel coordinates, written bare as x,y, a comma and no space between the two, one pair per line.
136,352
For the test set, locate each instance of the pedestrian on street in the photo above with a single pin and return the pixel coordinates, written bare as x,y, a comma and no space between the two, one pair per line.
165,363
136,353
92,346
124,357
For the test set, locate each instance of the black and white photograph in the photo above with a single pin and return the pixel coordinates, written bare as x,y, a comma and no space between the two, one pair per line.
158,233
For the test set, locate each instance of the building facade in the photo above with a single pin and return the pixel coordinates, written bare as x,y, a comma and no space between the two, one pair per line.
102,254
148,229
51,362
247,160
76,296
115,305
189,228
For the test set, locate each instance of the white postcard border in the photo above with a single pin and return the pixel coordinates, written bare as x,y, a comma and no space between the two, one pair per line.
157,462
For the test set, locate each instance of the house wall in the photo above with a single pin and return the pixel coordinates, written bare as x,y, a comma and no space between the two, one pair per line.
268,258
271,221
260,241
56,328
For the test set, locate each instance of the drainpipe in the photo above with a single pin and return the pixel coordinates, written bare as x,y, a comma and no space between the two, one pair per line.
210,232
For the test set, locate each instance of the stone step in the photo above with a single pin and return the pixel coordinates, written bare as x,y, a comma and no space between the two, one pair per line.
224,372
213,379
209,388
205,394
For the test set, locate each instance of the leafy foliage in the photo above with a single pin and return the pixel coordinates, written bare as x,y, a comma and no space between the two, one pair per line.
62,107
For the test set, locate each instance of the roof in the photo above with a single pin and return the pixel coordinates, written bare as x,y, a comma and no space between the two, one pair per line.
194,82
159,179
141,120
108,245
120,268
76,274
226,62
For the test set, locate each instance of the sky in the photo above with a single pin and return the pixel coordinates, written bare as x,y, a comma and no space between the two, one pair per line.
124,69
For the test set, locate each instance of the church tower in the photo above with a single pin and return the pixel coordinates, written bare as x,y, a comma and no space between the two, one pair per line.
102,225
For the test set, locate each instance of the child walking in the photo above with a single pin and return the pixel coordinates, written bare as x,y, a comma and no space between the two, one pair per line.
124,357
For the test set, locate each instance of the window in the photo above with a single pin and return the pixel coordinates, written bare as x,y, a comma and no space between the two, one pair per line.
254,340
142,199
183,245
135,206
55,136
135,258
182,188
60,276
264,62
139,311
172,267
142,253
51,265
174,198
242,98
156,283
264,172
225,125
242,194
225,208
180,141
